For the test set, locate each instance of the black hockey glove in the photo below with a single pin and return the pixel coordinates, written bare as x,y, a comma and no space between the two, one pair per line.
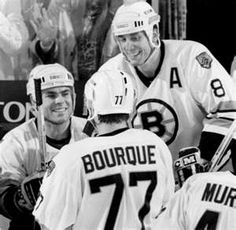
189,163
27,194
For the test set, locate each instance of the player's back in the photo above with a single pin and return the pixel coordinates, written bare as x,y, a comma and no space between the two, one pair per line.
206,201
119,181
127,180
212,201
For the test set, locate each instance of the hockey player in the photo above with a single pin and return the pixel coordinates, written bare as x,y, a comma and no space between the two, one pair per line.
21,160
184,95
119,179
206,201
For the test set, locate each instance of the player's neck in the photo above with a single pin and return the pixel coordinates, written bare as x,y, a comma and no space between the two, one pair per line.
103,128
58,131
150,66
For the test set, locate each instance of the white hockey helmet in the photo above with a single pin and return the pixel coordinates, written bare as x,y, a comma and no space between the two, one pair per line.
135,17
109,92
51,75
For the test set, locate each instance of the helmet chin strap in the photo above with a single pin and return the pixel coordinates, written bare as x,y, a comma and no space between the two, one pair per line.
153,47
150,54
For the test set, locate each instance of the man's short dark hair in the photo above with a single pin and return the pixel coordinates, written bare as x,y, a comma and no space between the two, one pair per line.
113,118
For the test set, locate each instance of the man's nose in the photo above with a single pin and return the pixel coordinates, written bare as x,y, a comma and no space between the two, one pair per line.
129,45
59,98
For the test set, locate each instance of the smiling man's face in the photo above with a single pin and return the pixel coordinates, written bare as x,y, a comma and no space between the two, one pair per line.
135,46
57,104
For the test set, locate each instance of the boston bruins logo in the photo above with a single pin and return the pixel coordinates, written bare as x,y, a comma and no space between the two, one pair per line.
157,116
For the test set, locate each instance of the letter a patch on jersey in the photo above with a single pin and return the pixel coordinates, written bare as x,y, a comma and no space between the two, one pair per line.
204,60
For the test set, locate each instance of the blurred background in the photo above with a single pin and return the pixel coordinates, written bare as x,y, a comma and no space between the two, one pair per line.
76,33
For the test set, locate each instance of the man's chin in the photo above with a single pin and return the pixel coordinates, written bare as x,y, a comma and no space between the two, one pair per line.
134,62
58,120
61,115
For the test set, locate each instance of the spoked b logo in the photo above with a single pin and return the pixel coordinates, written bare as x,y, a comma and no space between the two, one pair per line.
157,116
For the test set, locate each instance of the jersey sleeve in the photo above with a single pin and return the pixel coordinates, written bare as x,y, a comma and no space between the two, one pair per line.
214,92
60,195
12,152
11,176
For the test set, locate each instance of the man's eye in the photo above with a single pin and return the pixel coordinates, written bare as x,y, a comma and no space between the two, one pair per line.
134,38
121,39
51,95
65,94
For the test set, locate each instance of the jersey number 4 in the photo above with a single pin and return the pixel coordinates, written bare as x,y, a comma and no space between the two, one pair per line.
208,220
134,177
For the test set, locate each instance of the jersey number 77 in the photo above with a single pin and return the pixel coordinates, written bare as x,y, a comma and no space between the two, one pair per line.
134,178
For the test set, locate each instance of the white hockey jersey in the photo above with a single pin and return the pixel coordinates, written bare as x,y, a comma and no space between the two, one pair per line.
190,93
206,201
120,181
19,150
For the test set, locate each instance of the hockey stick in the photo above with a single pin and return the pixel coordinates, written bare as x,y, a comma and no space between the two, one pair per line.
40,122
220,157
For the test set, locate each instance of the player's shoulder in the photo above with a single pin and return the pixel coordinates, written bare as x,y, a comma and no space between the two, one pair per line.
74,150
118,62
114,62
21,130
128,135
211,177
78,121
182,43
184,46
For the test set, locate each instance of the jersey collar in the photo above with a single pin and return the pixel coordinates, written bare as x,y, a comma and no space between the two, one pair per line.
114,132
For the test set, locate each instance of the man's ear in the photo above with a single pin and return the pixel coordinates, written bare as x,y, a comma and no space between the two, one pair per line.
155,36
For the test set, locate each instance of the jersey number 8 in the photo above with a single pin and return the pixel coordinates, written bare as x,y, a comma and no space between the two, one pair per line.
217,88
